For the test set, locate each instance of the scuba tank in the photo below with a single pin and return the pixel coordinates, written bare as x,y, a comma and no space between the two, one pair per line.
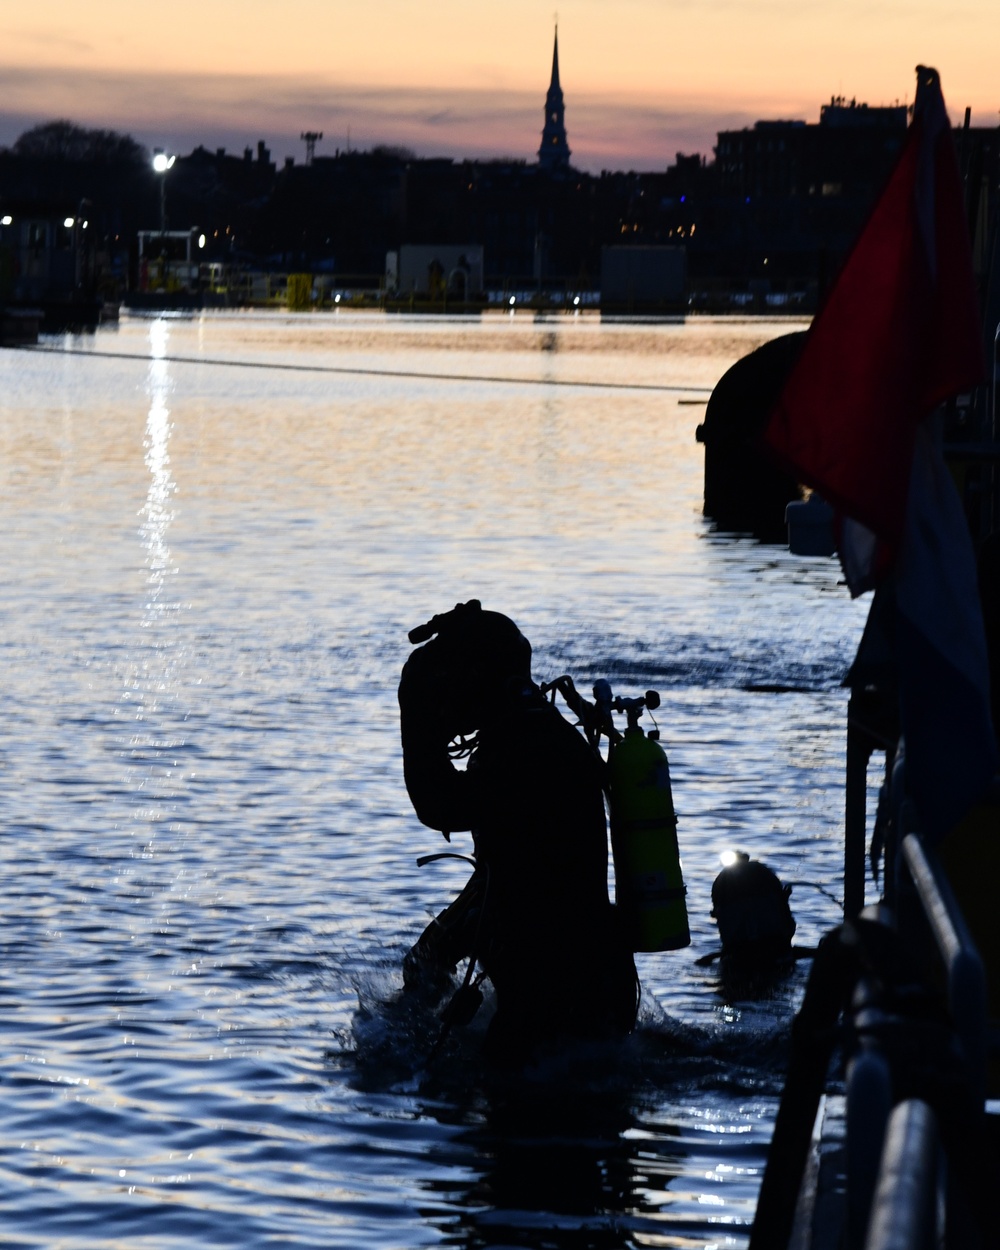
649,886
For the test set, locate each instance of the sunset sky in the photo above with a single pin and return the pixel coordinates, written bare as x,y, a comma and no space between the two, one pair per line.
643,79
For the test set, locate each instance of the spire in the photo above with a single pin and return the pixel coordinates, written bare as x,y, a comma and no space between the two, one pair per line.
554,151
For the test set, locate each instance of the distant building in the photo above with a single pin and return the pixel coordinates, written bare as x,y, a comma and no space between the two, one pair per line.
637,279
554,151
847,154
452,271
40,252
794,194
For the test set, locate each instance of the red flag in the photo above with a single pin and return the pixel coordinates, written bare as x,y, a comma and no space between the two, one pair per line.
899,333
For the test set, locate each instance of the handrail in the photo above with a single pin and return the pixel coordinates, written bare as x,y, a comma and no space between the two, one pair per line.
963,965
903,1210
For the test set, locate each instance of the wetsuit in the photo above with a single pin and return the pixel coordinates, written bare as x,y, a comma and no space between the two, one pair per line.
531,795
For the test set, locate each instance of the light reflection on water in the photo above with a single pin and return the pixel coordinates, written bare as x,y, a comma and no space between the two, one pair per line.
208,852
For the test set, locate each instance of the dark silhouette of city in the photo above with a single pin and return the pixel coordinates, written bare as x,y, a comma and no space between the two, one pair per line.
763,225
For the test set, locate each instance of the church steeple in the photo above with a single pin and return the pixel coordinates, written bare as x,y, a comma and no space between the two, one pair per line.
554,152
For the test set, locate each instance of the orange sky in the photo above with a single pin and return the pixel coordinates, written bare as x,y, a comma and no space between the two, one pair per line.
643,79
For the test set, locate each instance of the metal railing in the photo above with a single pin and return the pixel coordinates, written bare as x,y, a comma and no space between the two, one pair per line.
914,1033
965,976
904,1209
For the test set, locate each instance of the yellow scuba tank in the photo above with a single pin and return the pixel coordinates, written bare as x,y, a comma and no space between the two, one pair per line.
649,886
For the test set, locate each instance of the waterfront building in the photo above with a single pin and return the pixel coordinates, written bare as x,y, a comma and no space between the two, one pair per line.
847,155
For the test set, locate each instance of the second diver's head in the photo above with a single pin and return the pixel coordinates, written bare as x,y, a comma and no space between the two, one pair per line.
750,906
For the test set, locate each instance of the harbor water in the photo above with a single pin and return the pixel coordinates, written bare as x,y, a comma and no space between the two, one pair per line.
216,533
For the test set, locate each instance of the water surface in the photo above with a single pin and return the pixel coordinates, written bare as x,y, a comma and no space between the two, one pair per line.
209,569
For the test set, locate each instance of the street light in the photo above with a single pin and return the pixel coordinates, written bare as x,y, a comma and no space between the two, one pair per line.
161,163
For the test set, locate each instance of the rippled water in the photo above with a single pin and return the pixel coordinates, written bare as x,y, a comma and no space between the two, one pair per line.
208,855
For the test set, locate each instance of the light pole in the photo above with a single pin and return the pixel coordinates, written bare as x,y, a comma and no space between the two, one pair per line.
161,163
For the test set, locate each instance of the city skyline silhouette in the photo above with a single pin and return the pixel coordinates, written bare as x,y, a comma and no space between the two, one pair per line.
641,82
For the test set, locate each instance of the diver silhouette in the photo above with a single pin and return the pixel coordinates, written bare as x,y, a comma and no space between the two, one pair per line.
536,915
756,927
